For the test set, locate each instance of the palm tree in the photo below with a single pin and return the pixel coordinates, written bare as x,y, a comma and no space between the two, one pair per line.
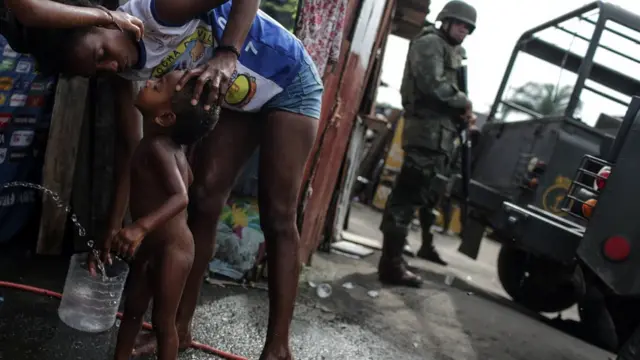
542,98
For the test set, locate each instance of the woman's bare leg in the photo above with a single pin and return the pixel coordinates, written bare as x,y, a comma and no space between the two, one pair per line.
286,140
219,160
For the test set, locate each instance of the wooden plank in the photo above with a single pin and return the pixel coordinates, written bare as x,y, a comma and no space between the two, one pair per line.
60,159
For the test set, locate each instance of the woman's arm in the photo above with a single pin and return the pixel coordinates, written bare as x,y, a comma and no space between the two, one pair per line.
218,71
243,12
51,14
128,135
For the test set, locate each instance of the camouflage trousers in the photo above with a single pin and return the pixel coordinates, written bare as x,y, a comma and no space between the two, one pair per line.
411,192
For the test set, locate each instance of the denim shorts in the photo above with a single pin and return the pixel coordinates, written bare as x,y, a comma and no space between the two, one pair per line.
304,95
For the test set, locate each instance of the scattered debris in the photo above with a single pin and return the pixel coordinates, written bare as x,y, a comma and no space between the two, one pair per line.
225,283
347,285
352,248
345,254
216,282
373,293
324,290
449,278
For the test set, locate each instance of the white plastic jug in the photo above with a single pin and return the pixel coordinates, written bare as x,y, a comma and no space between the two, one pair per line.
90,303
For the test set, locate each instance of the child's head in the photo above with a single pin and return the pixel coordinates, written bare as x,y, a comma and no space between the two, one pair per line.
161,104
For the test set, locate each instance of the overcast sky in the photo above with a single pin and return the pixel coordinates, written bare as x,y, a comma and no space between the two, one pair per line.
500,24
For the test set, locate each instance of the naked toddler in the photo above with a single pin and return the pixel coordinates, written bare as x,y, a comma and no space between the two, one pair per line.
160,177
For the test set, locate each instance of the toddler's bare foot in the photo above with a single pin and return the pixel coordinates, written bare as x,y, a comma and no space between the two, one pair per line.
146,344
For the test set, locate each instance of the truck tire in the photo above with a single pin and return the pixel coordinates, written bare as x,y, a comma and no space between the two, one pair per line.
529,281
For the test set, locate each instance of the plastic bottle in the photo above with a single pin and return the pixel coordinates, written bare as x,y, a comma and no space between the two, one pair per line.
90,303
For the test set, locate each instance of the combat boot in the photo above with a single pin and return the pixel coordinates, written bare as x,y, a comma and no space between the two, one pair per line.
392,269
428,251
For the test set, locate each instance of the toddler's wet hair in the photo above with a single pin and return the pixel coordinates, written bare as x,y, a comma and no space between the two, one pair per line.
192,122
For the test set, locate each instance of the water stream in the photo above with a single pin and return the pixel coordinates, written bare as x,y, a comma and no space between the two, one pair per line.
67,209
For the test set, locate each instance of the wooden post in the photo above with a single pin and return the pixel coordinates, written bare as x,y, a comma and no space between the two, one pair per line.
60,160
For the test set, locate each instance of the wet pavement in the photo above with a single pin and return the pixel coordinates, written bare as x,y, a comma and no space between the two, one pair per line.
229,318
465,321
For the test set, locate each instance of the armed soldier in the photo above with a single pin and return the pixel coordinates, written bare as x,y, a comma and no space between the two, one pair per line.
435,103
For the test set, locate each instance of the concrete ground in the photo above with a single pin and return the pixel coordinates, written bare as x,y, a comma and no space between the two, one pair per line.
358,321
364,221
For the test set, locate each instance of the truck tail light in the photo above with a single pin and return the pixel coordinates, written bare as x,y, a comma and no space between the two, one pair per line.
601,180
587,207
616,248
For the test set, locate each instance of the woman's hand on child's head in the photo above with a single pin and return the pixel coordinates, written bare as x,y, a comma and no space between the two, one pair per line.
128,239
217,72
127,22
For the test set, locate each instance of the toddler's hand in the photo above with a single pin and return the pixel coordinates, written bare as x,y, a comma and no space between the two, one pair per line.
104,247
128,239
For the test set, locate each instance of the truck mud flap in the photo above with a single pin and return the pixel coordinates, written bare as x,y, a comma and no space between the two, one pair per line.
472,234
542,233
481,197
483,201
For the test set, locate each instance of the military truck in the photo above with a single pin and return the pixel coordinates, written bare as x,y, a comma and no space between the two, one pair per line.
524,164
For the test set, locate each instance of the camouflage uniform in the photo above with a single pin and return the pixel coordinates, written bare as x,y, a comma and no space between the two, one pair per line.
434,98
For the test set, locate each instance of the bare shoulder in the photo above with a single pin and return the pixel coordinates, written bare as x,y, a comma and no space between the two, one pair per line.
150,149
160,146
167,154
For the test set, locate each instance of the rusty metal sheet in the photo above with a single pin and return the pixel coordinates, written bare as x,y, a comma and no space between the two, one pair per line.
369,32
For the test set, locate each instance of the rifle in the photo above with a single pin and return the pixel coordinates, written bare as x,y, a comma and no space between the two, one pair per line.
465,160
464,150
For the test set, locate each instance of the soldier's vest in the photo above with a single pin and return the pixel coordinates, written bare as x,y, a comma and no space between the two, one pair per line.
428,123
283,11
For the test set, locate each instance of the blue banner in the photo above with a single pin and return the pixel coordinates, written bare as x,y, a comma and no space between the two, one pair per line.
26,100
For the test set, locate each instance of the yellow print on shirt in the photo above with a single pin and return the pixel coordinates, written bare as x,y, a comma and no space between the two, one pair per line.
242,90
196,44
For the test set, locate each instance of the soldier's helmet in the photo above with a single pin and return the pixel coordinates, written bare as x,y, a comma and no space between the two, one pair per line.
461,11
